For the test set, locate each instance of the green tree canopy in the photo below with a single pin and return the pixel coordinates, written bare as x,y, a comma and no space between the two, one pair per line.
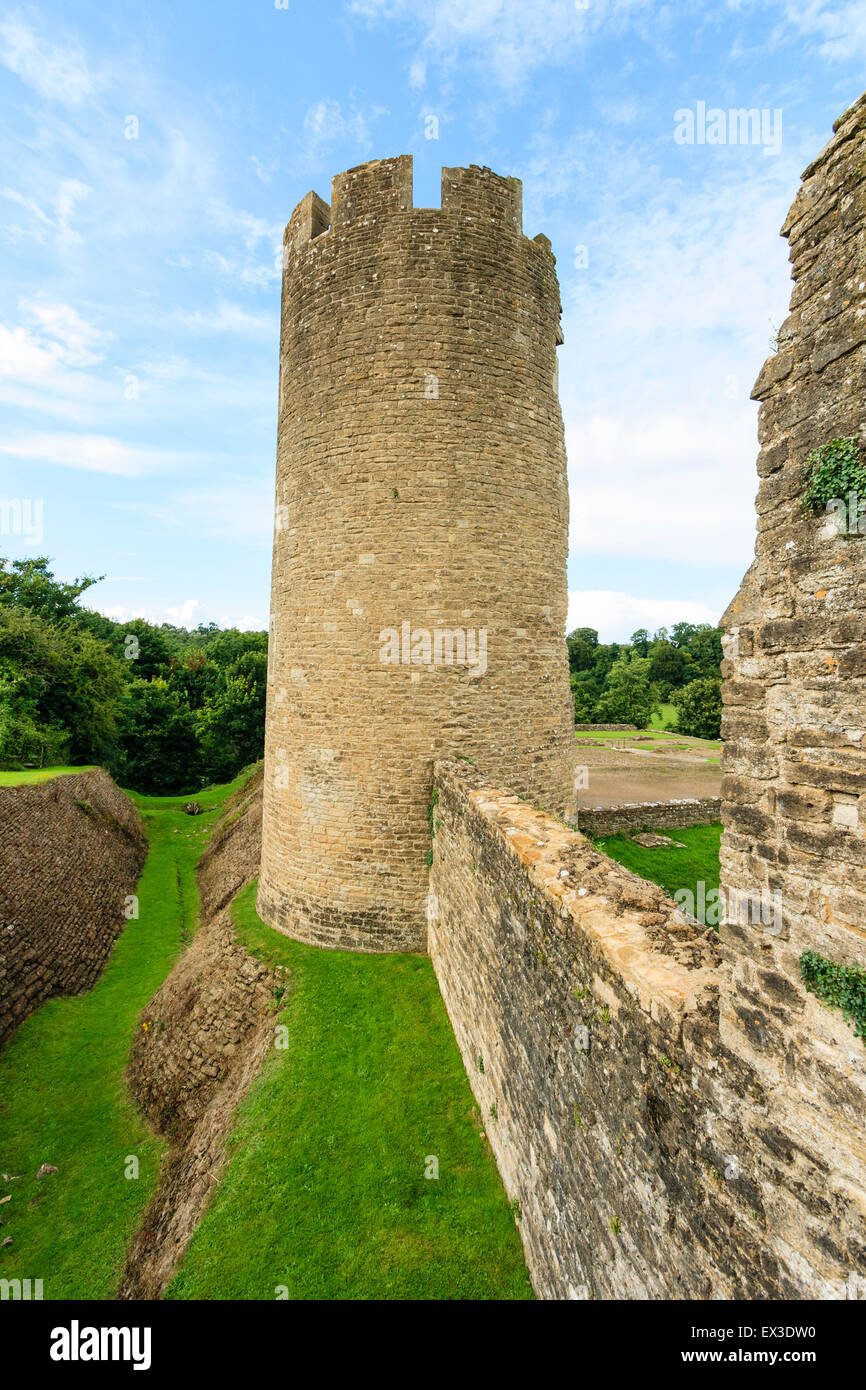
627,697
699,708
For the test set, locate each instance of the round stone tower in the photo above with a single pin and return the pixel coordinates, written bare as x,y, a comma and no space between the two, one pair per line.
419,587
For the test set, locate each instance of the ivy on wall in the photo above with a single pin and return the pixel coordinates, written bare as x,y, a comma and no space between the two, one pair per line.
840,986
832,472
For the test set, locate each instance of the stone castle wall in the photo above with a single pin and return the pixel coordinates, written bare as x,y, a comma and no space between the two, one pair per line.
71,851
421,488
794,726
640,1150
674,1114
596,821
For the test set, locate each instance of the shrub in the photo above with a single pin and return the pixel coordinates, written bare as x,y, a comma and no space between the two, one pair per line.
841,986
699,708
627,697
833,471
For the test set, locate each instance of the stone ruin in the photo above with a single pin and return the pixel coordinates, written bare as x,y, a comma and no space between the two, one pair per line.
674,1113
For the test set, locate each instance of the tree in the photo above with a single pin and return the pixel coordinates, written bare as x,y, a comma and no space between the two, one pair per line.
667,664
157,750
231,724
31,584
143,648
627,697
705,650
582,644
699,708
25,664
584,700
56,677
640,641
84,692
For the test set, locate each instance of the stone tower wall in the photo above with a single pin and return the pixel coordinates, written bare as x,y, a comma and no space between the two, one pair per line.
421,488
794,791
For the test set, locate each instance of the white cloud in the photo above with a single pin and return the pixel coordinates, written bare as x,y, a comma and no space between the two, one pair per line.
326,122
231,318
510,37
57,72
839,26
94,453
665,332
188,613
615,616
417,74
75,342
667,486
69,193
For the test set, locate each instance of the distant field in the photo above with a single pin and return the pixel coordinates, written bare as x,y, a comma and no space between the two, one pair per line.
40,774
660,738
665,719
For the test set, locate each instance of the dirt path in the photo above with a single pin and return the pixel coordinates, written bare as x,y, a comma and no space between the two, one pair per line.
647,768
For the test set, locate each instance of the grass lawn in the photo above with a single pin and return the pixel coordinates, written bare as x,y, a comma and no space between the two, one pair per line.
666,718
608,737
39,774
325,1194
63,1099
672,868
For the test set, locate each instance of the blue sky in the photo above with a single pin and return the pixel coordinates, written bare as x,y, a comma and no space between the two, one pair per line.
151,155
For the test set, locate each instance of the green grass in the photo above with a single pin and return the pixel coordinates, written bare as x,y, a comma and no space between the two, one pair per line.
39,774
325,1194
664,718
672,868
63,1098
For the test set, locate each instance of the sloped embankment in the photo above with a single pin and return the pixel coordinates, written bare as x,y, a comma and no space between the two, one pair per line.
71,852
203,1037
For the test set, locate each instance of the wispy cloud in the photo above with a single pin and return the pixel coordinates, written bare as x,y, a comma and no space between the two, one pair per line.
94,453
328,122
58,72
510,38
838,27
231,318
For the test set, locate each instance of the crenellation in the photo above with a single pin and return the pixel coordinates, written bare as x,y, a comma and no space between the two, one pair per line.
478,192
309,220
374,189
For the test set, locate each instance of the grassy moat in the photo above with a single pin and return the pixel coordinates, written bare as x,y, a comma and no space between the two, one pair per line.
326,1194
358,1165
63,1096
331,1191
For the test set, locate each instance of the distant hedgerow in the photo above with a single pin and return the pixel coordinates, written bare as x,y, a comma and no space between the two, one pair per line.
841,986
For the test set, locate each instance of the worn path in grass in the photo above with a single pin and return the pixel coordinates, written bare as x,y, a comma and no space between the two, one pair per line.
672,868
63,1099
325,1195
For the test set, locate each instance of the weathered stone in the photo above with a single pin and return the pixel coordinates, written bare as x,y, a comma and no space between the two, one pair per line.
421,479
71,851
802,601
